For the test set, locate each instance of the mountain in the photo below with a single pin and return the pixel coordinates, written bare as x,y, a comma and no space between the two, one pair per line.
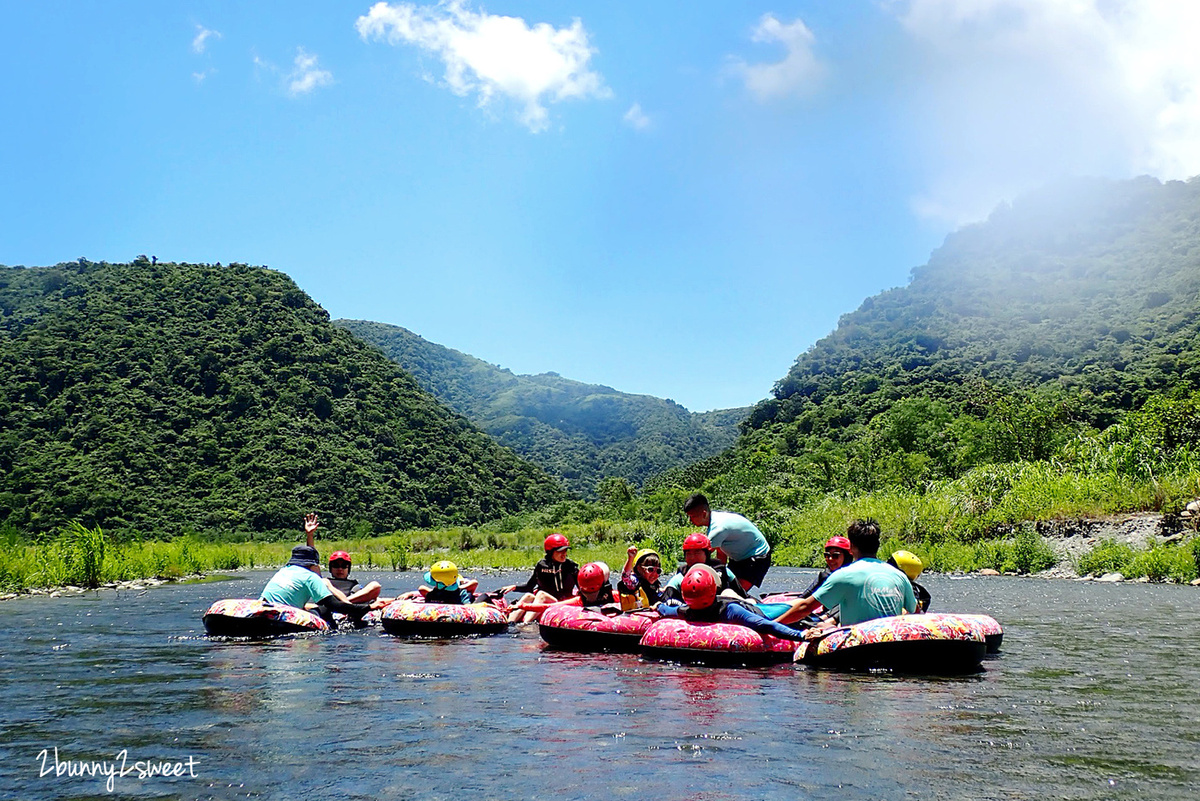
162,398
1058,315
578,432
1089,286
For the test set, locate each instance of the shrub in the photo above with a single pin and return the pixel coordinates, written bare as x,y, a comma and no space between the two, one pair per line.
1107,557
1030,553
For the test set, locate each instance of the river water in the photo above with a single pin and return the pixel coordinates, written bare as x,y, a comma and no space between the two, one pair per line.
1094,696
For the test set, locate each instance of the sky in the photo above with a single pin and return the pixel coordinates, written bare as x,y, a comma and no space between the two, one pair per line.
668,198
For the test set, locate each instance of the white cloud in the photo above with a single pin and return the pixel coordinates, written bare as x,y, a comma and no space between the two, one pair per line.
200,43
636,118
798,74
306,74
494,56
1015,92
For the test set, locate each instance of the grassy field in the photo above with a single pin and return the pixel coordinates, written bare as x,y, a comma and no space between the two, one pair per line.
85,557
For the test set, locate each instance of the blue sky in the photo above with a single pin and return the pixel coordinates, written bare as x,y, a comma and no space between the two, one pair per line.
672,198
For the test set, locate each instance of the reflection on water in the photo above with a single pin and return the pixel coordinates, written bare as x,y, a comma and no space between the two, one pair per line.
1092,698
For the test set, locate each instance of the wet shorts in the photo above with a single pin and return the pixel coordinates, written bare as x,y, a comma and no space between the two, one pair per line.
753,569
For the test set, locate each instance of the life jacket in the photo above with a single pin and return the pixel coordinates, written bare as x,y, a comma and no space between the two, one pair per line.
645,596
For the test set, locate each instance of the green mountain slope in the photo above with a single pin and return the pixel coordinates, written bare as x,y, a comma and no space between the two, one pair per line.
1055,317
579,432
168,397
1091,287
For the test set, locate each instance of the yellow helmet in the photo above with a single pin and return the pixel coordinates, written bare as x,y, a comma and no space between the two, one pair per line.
908,562
444,573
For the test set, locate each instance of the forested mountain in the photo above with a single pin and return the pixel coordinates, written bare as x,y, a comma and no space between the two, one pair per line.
579,432
160,398
1058,314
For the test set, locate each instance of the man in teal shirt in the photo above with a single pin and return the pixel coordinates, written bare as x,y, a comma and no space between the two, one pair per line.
748,550
865,589
299,582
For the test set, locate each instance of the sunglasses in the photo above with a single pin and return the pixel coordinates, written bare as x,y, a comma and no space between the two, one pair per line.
652,568
832,554
332,565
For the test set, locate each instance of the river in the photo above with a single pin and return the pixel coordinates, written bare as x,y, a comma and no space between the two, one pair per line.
1094,696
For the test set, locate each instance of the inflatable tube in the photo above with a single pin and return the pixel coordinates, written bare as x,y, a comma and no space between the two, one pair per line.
418,619
253,617
993,634
675,640
574,628
932,643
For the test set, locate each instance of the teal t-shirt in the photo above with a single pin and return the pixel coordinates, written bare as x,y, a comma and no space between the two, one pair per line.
867,589
295,586
736,536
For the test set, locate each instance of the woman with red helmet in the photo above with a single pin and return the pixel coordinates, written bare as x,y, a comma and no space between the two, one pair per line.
703,605
697,550
339,576
593,588
554,579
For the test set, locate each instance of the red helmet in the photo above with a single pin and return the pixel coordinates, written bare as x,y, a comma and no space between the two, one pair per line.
556,541
696,542
591,577
838,542
339,556
700,587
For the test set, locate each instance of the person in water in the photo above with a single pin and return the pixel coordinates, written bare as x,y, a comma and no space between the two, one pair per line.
554,579
299,583
702,605
339,577
748,550
446,587
697,550
911,565
837,556
593,591
640,586
865,590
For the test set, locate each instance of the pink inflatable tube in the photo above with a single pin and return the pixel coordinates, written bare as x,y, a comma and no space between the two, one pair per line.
417,619
252,617
676,640
574,628
931,643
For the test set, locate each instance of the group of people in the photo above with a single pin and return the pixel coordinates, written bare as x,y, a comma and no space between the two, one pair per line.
721,566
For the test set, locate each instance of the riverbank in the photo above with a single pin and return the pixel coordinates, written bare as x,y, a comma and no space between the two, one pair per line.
1130,547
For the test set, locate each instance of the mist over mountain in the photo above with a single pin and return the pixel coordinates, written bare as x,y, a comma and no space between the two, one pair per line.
1056,317
578,432
162,398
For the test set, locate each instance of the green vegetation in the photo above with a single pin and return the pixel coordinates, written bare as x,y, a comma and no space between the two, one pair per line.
84,557
158,399
581,433
1179,563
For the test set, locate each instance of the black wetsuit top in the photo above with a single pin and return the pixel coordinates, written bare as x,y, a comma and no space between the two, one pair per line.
555,578
603,597
817,582
346,585
923,596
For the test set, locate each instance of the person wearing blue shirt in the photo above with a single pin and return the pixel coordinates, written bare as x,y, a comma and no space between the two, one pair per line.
748,550
866,589
299,583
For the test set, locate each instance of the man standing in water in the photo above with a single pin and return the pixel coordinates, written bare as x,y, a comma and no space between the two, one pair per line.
865,589
748,551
